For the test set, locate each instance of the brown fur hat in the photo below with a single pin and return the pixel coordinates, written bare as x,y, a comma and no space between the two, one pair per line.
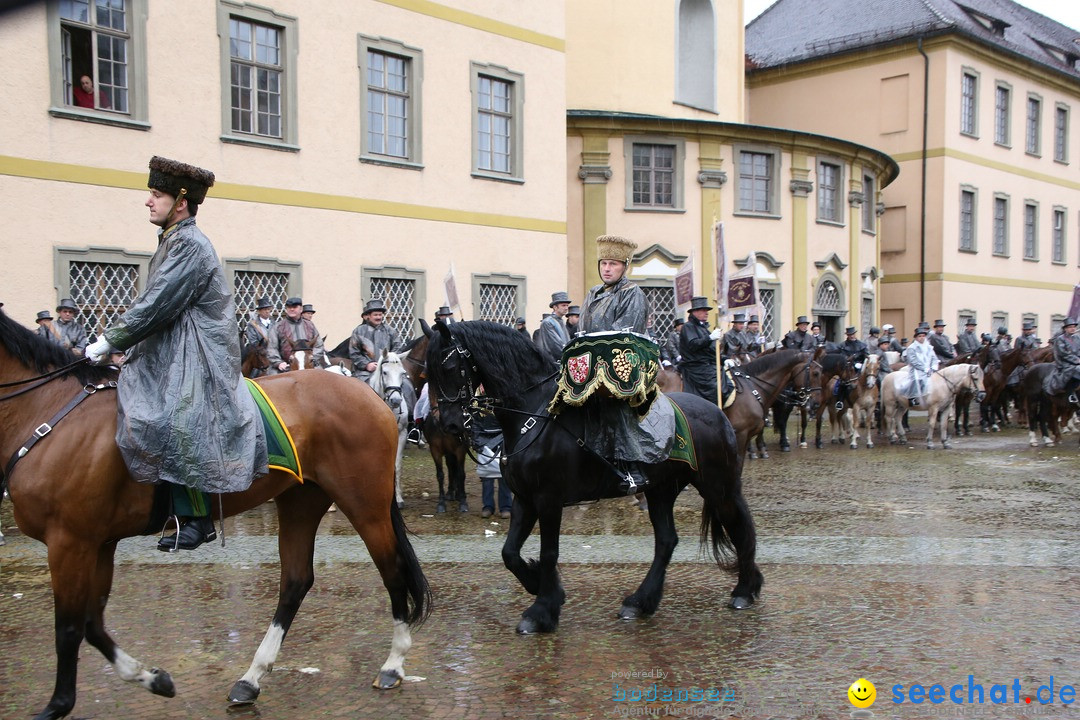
613,247
170,176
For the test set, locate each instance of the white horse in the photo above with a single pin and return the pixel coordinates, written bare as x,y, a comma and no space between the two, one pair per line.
939,398
861,400
386,381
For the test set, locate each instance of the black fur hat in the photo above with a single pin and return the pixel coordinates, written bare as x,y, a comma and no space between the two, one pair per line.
170,176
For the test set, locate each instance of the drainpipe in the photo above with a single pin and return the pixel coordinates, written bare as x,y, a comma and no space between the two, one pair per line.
922,219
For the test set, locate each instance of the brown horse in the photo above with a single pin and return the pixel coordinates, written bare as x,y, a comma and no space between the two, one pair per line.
73,493
254,360
669,381
759,384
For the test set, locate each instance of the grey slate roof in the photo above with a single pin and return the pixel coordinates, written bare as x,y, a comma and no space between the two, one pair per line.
791,31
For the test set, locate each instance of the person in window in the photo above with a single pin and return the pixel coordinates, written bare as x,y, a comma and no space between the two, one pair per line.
83,94
185,414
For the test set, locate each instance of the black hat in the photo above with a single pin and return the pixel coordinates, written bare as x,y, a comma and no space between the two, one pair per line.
939,323
802,319
738,317
970,321
850,330
520,321
576,310
67,303
264,302
1028,325
1068,321
700,303
170,177
679,321
43,315
559,297
309,308
372,305
754,318
921,330
875,331
986,336
815,324
884,341
293,301
1003,330
443,311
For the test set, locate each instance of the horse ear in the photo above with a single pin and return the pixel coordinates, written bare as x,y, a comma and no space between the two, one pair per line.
384,352
443,329
425,327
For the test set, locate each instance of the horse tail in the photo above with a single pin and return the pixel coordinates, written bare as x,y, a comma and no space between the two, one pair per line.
415,582
715,540
725,517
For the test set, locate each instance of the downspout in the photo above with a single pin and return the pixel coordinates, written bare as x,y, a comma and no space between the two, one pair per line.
922,219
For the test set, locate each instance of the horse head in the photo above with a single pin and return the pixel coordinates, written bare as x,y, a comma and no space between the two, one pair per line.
452,384
301,360
868,374
975,374
388,378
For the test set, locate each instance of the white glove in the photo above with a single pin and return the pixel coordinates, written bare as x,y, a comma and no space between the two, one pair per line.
99,350
716,334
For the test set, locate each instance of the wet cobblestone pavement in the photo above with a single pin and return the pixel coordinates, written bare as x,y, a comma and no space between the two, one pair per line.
895,564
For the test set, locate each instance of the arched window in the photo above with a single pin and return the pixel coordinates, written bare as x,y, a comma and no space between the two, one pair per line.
828,297
695,55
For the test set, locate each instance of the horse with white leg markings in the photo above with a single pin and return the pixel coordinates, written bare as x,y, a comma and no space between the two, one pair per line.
386,381
859,405
939,396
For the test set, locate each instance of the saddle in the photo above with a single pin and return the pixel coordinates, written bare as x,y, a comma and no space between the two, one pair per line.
619,365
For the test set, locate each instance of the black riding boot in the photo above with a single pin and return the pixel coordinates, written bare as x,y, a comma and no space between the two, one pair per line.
632,477
193,533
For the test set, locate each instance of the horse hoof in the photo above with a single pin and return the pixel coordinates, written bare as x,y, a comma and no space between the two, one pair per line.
400,504
162,683
819,445
2,540
764,455
740,602
854,446
440,507
785,447
1034,443
463,507
628,612
869,445
753,456
243,693
834,441
802,446
946,446
387,680
1047,442
527,626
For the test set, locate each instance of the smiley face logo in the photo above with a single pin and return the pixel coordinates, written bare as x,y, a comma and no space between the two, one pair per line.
862,693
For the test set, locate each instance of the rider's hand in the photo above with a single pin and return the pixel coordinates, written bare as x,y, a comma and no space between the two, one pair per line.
99,350
282,366
716,334
371,367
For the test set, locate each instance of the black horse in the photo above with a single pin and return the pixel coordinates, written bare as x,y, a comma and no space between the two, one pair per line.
547,468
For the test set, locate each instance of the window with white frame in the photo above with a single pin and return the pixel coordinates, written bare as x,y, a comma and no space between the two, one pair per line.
654,173
1061,133
757,182
830,185
498,108
1001,225
969,90
1057,252
1031,230
967,219
259,58
1002,108
1034,118
97,60
869,205
390,78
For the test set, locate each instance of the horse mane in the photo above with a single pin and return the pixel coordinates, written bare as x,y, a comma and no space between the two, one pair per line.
772,361
42,356
509,361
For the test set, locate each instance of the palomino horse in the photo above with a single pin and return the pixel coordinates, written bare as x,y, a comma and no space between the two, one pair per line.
941,393
547,468
858,406
254,359
73,493
386,382
759,384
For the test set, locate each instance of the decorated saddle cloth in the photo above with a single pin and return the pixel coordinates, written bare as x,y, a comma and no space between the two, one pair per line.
280,448
619,365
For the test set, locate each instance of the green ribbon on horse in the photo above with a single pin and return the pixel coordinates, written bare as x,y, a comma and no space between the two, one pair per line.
280,448
622,365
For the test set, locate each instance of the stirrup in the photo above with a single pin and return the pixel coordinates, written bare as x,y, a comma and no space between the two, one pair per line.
839,404
162,545
1073,399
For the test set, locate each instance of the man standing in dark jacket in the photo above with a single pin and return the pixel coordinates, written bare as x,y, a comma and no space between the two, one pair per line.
799,339
940,342
968,341
696,345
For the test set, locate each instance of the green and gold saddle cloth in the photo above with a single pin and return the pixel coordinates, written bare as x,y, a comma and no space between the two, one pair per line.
622,365
683,447
280,448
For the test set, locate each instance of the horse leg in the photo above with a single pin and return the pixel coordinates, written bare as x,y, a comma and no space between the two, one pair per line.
781,413
817,437
804,420
945,426
727,525
440,506
457,480
300,508
403,434
71,567
762,452
128,668
543,614
646,598
522,522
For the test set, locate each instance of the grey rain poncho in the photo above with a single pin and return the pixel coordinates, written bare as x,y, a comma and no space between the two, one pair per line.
185,415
